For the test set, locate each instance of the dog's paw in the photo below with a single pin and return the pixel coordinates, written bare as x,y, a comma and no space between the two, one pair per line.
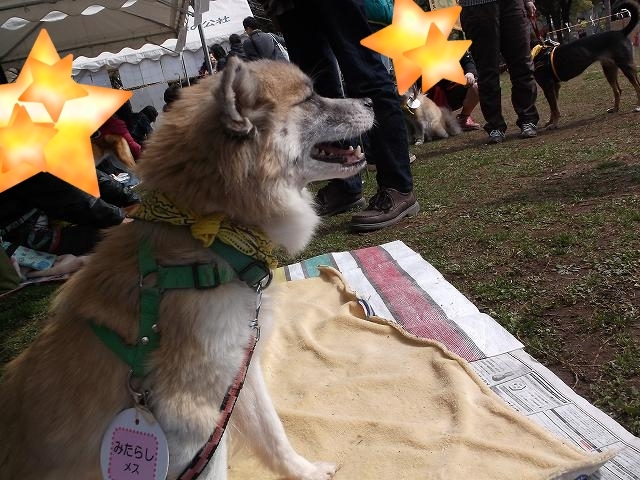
418,142
612,110
636,109
320,471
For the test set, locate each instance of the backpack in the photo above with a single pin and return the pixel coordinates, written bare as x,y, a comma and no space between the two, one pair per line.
379,11
279,48
278,52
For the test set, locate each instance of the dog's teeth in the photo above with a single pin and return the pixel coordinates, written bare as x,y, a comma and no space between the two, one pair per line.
358,152
350,148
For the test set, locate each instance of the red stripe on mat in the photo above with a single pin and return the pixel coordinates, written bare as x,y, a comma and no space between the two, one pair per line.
411,306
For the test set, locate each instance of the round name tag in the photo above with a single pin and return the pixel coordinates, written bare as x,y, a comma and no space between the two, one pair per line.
415,103
134,447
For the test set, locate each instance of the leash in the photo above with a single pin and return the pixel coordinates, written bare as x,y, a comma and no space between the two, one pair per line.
206,452
534,24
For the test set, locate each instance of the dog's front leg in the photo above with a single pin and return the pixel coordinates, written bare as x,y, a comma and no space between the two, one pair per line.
217,468
257,420
551,91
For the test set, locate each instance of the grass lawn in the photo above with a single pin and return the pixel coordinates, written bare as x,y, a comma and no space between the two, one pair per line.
542,234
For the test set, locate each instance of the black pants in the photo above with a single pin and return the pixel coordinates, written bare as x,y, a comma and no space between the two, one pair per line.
319,33
494,28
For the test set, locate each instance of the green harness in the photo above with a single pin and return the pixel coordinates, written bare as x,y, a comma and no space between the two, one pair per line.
256,274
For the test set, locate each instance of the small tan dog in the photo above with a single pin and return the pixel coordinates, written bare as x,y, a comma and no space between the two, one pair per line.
243,143
103,144
425,120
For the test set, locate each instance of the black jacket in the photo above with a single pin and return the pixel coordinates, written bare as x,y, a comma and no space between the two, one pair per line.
262,45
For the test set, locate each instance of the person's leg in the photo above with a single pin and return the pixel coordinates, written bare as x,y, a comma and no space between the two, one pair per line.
517,54
481,25
309,49
344,25
470,101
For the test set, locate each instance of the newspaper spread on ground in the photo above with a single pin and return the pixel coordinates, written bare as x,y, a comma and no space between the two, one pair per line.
389,279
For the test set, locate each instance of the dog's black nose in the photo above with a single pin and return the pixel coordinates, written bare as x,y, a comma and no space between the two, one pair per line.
367,102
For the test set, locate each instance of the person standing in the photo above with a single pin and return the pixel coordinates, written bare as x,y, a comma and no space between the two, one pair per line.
323,38
260,44
501,27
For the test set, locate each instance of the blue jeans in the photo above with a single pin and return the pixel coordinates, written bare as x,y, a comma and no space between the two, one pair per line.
324,34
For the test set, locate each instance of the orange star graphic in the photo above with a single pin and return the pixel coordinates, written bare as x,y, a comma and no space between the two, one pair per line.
68,153
52,86
22,144
408,31
439,58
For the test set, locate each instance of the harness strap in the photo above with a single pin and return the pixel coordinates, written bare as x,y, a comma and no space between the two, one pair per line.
251,271
198,276
204,455
553,65
169,277
148,338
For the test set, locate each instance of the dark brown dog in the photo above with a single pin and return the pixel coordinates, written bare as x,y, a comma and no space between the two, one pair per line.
555,64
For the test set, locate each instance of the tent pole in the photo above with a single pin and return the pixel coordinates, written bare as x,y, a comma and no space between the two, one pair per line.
184,68
205,50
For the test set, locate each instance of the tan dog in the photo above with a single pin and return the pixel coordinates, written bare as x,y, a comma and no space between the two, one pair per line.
243,143
425,120
116,144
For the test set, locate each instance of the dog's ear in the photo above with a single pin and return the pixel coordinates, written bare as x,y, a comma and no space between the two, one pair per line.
237,93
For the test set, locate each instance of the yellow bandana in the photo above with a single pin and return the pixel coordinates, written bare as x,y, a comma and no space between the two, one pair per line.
535,51
155,207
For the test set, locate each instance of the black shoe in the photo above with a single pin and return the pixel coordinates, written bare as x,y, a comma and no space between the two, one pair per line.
332,200
386,208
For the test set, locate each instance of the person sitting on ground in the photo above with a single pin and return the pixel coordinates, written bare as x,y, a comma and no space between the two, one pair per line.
236,47
141,125
47,214
118,124
455,96
260,44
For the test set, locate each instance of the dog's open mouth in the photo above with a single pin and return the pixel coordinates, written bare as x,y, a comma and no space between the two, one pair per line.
327,152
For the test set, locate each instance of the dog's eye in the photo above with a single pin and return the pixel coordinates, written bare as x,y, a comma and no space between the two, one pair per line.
308,98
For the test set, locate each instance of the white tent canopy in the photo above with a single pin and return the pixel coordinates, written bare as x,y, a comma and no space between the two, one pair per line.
223,18
89,27
148,70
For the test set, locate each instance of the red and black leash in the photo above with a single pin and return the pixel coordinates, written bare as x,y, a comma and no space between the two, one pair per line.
204,455
534,24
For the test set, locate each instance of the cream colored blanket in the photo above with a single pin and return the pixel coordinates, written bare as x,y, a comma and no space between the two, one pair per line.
383,405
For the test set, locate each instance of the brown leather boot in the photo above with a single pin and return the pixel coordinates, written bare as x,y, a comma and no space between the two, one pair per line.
331,200
386,208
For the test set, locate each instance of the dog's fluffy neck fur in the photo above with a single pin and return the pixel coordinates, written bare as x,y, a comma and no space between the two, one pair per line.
282,210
